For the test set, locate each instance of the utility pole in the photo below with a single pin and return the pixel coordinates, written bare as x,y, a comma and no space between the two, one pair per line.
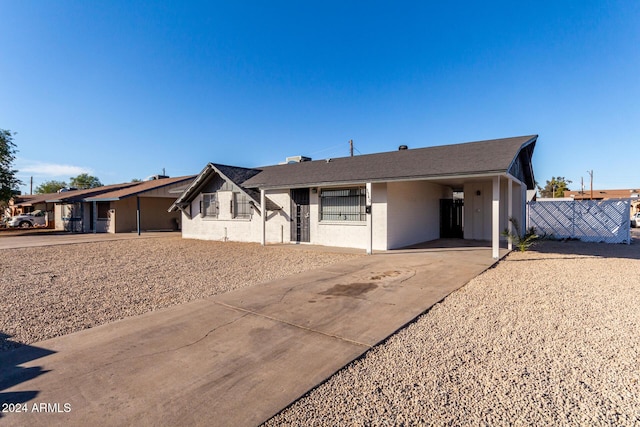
591,175
351,147
31,187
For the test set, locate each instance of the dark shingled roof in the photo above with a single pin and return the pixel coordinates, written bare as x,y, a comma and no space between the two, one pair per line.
472,158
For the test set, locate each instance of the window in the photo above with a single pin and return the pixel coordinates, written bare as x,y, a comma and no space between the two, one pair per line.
209,205
344,204
241,206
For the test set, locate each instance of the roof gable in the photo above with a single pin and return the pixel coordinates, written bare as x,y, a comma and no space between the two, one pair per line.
232,174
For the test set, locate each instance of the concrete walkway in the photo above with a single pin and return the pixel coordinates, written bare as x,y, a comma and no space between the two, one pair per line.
236,359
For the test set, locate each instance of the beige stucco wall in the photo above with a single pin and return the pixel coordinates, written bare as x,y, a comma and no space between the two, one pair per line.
153,215
58,209
125,215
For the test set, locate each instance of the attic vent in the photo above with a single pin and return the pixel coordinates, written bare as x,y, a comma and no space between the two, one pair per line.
402,147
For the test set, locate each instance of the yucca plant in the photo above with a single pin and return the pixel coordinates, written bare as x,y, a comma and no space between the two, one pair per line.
522,242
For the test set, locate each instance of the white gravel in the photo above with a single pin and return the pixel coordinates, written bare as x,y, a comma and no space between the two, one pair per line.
547,337
56,290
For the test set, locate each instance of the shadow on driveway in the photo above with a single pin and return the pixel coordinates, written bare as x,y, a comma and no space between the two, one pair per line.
11,373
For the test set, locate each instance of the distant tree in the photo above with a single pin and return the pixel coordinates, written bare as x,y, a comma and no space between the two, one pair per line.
84,180
555,187
8,181
50,186
136,180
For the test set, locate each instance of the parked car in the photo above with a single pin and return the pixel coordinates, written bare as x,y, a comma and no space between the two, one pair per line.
635,220
33,219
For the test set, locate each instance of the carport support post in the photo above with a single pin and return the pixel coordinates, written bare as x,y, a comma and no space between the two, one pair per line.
495,218
509,212
263,217
368,204
95,216
138,214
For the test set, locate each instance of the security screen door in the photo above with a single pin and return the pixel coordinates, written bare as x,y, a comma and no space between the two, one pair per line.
300,215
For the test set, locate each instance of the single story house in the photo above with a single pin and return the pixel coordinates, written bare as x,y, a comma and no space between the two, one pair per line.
28,203
374,202
631,193
120,208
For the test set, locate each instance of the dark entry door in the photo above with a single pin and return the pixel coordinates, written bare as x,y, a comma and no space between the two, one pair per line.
451,218
300,215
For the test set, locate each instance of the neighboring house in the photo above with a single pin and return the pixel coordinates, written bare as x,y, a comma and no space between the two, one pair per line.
633,194
28,203
376,201
120,208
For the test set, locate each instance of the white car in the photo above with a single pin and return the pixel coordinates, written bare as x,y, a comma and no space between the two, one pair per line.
33,219
635,220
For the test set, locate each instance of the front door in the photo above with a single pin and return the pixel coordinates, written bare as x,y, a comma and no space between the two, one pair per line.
300,222
451,218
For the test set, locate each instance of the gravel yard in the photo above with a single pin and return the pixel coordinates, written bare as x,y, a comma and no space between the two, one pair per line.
548,337
55,290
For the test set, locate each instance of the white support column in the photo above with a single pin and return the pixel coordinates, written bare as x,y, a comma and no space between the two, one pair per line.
524,215
368,203
509,212
495,218
263,217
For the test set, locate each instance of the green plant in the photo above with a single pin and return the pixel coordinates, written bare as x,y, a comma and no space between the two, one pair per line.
521,241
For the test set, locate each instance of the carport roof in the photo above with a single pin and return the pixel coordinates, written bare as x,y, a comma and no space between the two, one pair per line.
32,199
114,191
496,156
138,189
80,195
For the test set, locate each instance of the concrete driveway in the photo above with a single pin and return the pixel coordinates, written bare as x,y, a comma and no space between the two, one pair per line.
63,238
236,359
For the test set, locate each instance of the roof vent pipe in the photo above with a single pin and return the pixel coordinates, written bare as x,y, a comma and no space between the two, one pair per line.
402,147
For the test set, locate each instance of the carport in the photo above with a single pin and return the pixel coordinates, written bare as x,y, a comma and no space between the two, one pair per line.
120,208
141,207
393,199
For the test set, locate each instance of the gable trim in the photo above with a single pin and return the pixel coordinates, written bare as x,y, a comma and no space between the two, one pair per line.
197,185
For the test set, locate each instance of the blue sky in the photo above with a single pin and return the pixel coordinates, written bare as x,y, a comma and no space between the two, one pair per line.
123,89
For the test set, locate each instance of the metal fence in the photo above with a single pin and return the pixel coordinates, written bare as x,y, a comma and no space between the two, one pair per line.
587,220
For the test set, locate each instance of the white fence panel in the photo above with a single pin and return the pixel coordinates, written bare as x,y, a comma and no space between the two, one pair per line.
586,220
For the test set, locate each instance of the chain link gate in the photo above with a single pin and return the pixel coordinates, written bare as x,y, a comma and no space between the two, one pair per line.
587,220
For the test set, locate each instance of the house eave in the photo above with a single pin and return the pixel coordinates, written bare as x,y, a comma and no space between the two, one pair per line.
440,177
98,199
